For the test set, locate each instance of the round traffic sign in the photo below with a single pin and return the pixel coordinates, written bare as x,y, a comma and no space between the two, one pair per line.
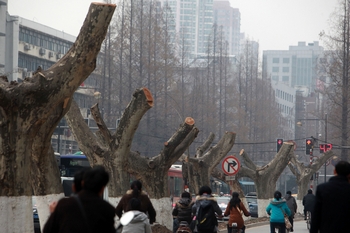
230,165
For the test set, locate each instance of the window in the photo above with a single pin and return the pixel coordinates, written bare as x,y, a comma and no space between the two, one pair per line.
286,60
285,69
275,69
275,60
285,78
275,78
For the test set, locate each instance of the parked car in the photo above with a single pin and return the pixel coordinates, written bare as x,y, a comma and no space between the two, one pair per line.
252,203
222,202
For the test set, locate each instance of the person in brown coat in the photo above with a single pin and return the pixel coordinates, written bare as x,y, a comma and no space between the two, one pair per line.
136,192
234,209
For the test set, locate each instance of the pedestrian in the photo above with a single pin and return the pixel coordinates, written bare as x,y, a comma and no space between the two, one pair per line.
292,205
332,207
277,209
140,222
77,186
308,202
136,191
182,210
204,211
234,209
86,211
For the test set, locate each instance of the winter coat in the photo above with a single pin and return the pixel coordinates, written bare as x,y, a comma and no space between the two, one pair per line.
309,202
213,202
139,224
332,207
68,217
291,203
236,215
146,205
183,210
275,212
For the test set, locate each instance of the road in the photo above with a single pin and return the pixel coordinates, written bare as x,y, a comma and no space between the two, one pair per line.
299,227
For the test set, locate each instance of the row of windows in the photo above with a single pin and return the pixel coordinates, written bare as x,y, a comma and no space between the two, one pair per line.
284,60
32,63
43,40
284,78
283,95
285,109
276,69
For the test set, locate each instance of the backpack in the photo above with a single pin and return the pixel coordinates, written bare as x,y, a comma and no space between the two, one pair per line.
205,217
184,228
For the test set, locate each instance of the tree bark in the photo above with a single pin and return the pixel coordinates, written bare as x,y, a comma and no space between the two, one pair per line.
29,113
197,170
265,177
303,173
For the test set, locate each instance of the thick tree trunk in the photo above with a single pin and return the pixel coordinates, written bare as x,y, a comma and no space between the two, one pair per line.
29,113
303,173
198,170
265,177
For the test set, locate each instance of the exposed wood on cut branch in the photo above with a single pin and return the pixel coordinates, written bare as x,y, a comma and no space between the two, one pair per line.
247,161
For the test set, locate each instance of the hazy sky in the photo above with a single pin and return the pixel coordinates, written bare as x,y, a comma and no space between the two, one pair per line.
275,24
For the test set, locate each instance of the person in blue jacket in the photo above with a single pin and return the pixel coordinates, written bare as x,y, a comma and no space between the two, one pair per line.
276,210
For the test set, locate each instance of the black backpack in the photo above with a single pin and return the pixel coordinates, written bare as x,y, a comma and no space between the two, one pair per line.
205,217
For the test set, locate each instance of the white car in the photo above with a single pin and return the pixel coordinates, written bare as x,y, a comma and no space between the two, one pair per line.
222,202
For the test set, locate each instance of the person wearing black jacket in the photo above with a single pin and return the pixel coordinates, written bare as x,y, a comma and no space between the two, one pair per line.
205,198
182,210
86,211
308,202
332,208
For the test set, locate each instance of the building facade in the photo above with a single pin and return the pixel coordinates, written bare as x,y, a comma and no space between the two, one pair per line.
230,20
24,46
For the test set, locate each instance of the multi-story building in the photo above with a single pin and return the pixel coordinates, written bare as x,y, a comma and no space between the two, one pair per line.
194,23
24,46
230,20
294,73
295,67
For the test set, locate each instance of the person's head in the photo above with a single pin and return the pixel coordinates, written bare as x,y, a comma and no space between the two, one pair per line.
136,187
135,204
95,180
78,179
205,190
186,195
235,200
277,195
289,192
309,191
342,168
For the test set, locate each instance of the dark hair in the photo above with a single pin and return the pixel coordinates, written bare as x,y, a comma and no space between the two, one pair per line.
309,191
205,189
136,187
234,200
78,178
135,204
289,192
95,179
342,168
186,194
277,195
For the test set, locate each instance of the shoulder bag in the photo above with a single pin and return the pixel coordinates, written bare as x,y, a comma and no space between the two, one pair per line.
286,220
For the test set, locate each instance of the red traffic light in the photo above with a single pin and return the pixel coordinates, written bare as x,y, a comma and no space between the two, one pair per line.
308,142
280,141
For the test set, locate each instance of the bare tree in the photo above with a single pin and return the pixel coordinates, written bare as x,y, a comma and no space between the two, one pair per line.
29,112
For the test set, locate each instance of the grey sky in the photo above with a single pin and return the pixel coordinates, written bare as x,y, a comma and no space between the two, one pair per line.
275,24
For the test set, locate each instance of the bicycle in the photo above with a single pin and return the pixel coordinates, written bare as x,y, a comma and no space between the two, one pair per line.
308,220
277,230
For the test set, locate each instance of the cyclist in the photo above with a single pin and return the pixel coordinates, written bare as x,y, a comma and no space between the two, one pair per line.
308,202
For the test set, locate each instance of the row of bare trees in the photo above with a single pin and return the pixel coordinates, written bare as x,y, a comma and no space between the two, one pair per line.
221,92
